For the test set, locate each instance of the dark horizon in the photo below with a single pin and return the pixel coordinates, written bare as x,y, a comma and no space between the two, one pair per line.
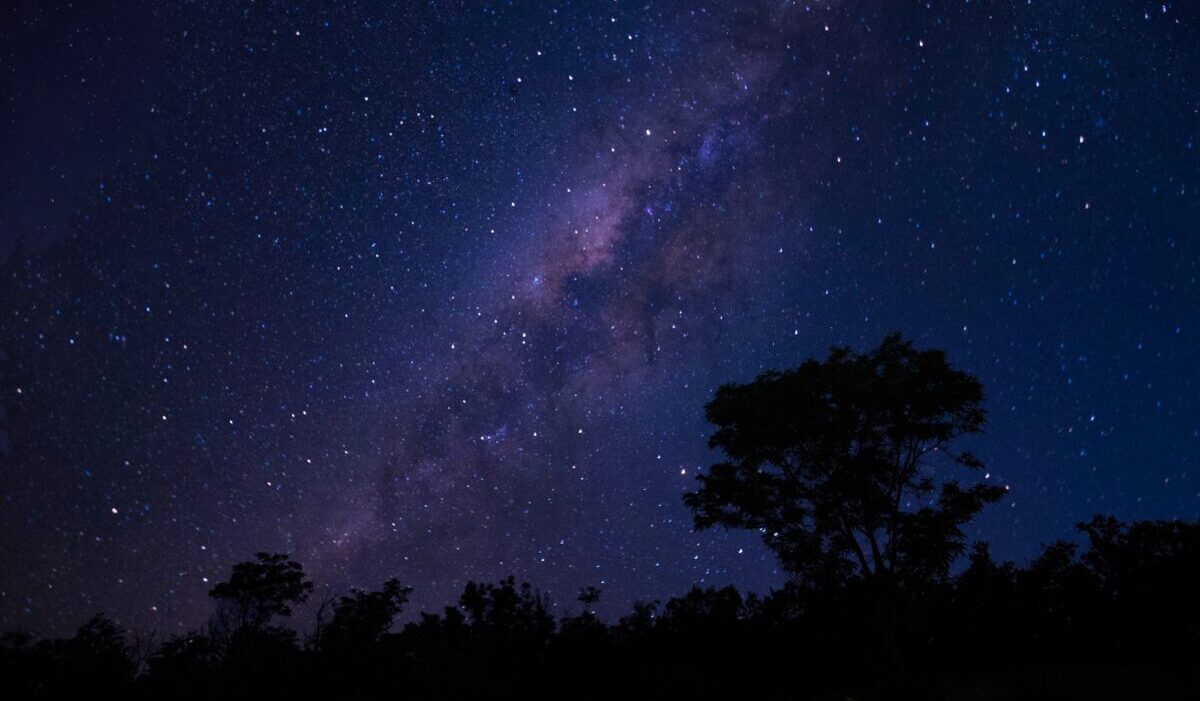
441,293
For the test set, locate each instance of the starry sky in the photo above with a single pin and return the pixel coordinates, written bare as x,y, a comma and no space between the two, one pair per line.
439,290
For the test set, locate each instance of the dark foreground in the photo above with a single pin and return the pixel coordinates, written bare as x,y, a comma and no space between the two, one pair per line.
1116,619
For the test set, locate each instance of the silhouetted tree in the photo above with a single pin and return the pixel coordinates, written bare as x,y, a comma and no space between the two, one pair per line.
257,656
94,662
504,611
100,652
833,462
701,608
586,623
588,596
258,591
183,666
1146,573
362,618
640,621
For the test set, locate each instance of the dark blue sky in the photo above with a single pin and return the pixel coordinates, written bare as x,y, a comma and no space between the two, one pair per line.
440,291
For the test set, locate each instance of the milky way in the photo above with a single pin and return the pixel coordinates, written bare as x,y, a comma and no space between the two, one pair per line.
440,292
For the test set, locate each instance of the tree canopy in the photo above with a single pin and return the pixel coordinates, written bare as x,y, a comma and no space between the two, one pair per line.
363,617
259,590
843,464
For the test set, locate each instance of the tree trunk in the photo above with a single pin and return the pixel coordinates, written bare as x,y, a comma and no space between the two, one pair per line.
889,656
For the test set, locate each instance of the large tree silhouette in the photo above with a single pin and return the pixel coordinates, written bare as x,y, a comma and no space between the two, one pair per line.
844,465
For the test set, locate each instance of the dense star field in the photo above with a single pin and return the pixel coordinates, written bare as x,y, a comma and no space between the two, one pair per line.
440,291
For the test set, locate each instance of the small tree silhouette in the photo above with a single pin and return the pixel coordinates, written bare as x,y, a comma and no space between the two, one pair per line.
504,611
588,596
189,661
100,655
362,618
258,591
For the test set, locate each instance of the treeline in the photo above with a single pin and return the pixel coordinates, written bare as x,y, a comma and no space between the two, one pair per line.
1127,599
849,468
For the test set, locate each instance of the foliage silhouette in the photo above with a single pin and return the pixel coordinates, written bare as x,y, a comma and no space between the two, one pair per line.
258,591
1113,618
826,459
588,596
184,665
362,618
97,660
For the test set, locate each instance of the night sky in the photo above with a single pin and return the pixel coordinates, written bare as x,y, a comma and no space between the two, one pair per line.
440,291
